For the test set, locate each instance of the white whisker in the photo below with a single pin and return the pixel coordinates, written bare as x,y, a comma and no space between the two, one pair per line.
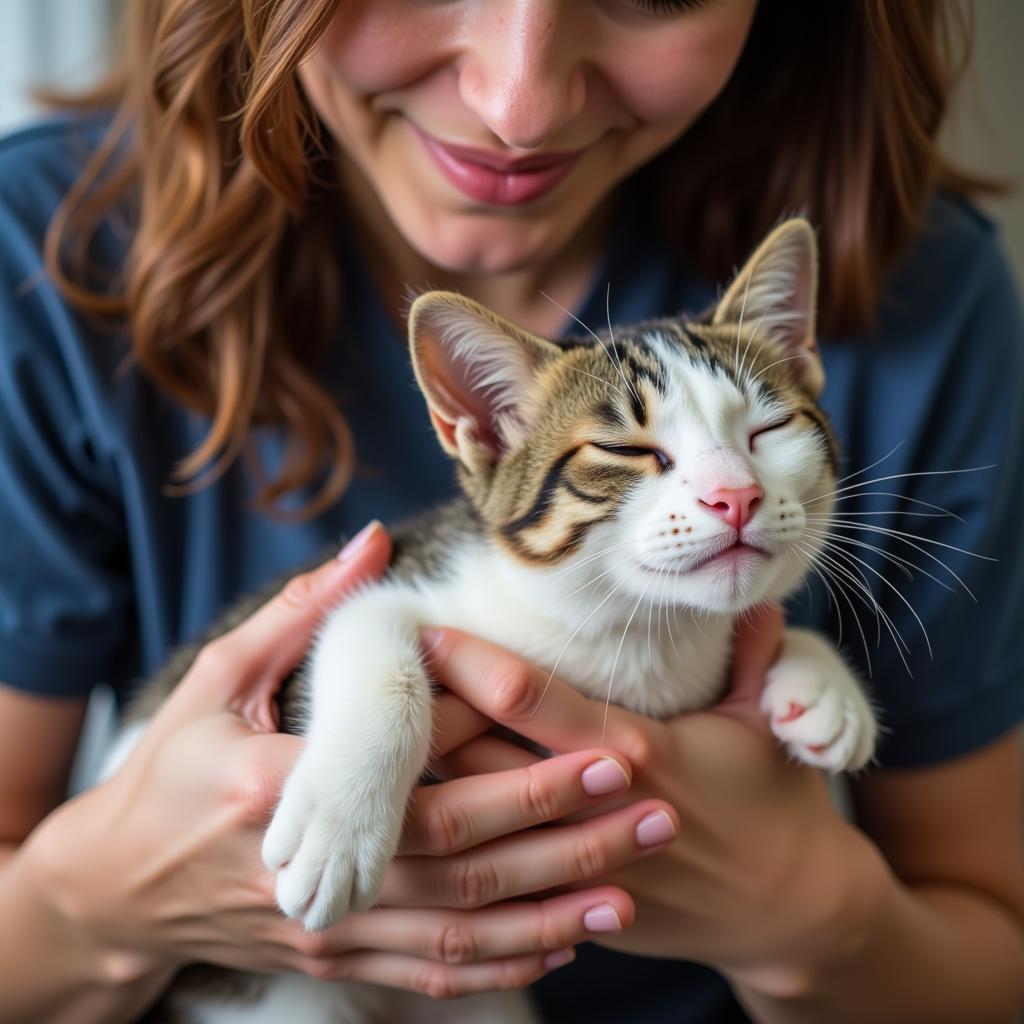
615,663
902,537
900,476
853,611
867,469
889,494
572,637
615,362
848,556
897,560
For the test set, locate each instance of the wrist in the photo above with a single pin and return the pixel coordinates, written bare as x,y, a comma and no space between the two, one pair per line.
59,876
859,884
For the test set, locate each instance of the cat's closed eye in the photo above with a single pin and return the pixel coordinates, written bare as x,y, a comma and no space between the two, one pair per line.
777,425
634,451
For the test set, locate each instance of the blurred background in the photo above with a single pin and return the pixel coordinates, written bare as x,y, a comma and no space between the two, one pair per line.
66,43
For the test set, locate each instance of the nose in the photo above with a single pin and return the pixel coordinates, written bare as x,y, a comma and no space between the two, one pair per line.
521,71
735,505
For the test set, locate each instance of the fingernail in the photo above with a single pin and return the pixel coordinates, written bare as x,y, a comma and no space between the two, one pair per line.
359,541
604,777
430,639
602,918
655,829
559,958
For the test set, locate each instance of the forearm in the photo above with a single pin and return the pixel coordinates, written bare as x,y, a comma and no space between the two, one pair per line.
50,971
931,954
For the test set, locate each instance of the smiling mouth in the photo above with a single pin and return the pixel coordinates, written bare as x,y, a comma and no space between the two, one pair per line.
493,179
733,554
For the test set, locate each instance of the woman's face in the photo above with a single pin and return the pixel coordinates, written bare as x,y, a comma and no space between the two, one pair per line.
490,130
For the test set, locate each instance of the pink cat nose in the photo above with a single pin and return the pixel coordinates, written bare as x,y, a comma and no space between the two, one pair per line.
733,504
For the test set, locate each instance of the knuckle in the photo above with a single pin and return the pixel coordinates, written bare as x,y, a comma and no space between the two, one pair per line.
445,829
252,792
314,946
323,969
474,884
512,691
299,591
436,982
552,933
589,856
215,659
513,975
638,748
455,945
538,798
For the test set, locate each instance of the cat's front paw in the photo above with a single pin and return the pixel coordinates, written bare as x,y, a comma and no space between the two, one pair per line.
822,721
329,844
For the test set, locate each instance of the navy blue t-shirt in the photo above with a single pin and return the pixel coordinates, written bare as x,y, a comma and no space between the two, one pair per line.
102,573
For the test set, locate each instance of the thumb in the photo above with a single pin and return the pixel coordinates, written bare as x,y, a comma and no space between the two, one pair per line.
757,639
242,670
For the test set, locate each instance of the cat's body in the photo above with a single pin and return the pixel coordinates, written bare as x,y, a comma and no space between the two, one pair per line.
620,513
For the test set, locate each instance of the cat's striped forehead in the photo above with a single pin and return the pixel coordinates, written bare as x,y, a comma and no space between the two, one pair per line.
631,388
635,372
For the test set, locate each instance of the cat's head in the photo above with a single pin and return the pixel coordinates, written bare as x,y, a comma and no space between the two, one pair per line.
685,459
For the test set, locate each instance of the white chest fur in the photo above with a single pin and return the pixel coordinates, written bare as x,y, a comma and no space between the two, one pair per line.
655,660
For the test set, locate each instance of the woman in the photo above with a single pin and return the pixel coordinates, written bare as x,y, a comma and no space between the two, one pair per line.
276,175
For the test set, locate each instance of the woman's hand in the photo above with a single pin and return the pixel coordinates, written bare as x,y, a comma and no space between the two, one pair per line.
160,865
761,874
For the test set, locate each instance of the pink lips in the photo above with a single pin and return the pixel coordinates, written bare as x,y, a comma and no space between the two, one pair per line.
489,178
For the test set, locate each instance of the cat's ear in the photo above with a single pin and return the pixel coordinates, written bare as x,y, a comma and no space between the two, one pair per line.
776,294
478,373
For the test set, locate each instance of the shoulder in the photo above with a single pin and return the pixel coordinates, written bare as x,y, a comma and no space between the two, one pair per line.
38,164
56,369
955,276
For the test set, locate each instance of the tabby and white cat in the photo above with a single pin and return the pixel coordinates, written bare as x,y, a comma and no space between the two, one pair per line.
664,465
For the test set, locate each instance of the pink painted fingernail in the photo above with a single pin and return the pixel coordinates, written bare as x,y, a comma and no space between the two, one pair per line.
604,777
359,541
655,829
559,958
430,638
602,918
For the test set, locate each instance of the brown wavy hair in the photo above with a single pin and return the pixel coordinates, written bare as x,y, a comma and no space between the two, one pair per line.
230,288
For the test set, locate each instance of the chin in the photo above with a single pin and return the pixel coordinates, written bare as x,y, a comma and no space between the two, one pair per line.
483,241
736,588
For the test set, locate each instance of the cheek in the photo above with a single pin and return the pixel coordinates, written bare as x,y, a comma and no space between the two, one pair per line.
675,74
375,46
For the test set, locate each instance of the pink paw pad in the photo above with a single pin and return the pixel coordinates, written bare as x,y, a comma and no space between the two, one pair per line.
794,712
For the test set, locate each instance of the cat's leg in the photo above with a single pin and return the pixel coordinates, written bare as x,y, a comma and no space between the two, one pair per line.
340,815
817,707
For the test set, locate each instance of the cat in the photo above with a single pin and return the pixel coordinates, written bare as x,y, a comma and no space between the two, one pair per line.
661,465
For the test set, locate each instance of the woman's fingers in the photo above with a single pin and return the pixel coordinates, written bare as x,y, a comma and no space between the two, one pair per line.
454,816
455,723
242,669
467,936
482,756
530,701
438,981
534,861
756,644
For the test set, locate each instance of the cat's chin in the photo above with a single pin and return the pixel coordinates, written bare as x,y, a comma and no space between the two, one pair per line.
732,584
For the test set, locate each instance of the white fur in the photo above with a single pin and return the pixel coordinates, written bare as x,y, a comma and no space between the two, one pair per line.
296,999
